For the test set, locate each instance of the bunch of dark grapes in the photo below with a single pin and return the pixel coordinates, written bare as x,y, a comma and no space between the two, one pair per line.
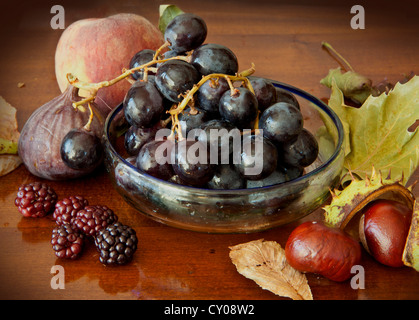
225,129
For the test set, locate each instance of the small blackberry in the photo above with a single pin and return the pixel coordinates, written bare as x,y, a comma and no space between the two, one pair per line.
91,219
67,242
116,244
35,199
67,208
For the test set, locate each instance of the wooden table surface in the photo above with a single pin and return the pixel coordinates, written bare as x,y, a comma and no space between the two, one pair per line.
283,39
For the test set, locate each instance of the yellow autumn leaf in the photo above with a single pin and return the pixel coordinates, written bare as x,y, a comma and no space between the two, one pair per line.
9,134
378,134
411,249
264,262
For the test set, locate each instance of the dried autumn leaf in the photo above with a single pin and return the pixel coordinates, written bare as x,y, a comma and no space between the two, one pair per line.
377,134
264,262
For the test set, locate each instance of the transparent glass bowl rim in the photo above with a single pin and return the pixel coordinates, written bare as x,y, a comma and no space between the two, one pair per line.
299,92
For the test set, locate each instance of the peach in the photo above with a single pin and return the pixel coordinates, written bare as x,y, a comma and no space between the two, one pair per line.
96,49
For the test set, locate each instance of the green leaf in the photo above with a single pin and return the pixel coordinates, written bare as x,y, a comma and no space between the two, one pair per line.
352,84
377,134
167,13
337,102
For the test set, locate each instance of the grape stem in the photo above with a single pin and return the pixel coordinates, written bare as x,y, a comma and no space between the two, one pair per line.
164,45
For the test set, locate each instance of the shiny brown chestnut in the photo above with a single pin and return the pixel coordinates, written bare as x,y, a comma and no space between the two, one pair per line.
316,248
383,230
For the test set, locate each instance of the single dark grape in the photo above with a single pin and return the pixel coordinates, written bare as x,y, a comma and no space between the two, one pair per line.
264,91
81,150
154,159
175,77
214,58
281,123
135,138
192,163
302,152
226,177
283,95
185,32
239,108
258,159
220,137
143,104
209,94
140,58
193,119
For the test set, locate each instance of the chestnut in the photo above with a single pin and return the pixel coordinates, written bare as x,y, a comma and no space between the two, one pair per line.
383,230
316,248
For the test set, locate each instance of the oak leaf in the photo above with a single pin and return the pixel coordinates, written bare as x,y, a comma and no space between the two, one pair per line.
264,262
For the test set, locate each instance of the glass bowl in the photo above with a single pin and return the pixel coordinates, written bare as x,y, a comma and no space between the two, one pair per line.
231,211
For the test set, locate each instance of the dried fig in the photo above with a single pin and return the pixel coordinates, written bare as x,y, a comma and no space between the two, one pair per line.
41,137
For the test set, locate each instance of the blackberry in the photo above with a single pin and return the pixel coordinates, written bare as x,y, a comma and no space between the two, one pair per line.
35,199
91,219
67,242
116,244
67,208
